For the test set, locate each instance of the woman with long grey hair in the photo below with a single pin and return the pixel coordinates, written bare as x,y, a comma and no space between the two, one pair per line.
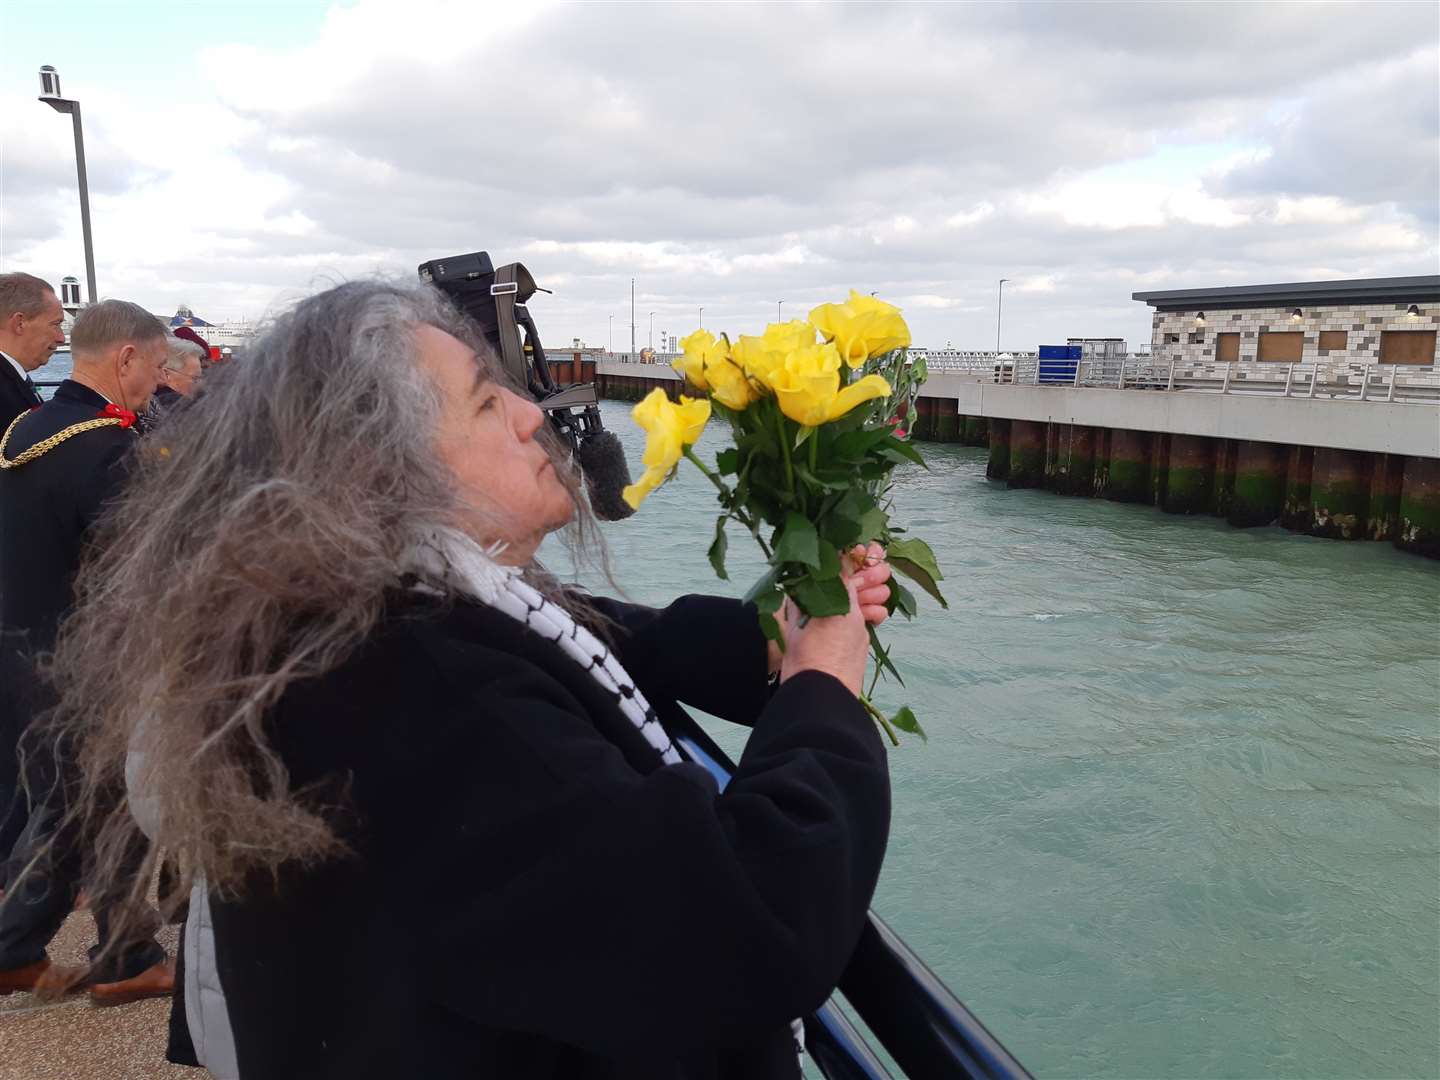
423,800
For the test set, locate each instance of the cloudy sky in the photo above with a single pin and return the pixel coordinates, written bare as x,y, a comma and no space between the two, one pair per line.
728,155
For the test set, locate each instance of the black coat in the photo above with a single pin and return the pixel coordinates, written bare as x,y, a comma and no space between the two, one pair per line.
532,894
48,506
16,396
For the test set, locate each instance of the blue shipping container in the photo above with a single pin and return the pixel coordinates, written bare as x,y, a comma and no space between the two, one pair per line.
1060,352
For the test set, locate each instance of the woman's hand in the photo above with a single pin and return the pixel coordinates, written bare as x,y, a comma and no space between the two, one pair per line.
868,566
872,572
839,644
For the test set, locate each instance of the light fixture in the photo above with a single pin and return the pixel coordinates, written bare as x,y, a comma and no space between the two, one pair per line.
1414,311
1199,318
1295,315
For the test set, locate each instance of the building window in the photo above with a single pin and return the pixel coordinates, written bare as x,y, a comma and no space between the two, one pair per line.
1197,338
1227,348
1332,339
1281,346
1172,339
1407,346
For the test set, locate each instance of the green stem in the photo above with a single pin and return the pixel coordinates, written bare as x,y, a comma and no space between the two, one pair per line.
713,478
736,512
879,718
785,451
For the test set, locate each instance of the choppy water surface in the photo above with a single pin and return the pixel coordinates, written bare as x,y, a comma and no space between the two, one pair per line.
1178,813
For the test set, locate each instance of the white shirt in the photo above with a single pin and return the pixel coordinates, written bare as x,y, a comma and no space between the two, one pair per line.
16,365
25,374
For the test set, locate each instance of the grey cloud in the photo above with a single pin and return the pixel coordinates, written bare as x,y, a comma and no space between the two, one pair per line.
741,132
1371,135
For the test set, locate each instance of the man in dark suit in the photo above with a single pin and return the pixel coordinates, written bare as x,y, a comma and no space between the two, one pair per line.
31,329
58,466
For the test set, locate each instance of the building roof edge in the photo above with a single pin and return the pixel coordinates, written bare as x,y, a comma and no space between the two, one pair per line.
1383,290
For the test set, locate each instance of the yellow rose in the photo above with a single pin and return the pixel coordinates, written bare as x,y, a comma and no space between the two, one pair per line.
759,357
861,328
786,337
669,428
809,390
730,386
700,348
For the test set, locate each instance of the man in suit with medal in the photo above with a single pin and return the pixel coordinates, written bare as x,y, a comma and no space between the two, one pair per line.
31,329
59,465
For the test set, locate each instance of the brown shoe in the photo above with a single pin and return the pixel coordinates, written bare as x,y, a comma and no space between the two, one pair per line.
157,981
43,978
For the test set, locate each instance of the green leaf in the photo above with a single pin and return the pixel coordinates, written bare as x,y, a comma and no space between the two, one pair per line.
918,552
905,721
901,600
798,541
717,548
904,449
829,562
915,560
819,599
920,576
841,530
727,462
853,445
763,594
823,478
872,524
804,433
882,656
771,629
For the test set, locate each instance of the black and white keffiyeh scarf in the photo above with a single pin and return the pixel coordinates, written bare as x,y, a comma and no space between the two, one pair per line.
464,565
453,559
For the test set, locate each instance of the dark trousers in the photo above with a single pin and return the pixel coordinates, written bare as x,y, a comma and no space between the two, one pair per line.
49,862
14,814
14,808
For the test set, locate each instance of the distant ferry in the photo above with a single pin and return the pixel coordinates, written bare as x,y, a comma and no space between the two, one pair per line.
227,336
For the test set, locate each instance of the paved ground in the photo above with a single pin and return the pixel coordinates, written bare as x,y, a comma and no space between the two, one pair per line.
72,1040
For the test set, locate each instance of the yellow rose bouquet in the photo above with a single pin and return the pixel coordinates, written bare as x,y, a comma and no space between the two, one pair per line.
818,409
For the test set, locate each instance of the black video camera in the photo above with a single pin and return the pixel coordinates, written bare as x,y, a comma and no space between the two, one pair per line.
496,300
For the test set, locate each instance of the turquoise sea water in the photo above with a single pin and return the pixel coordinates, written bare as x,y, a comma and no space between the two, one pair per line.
1179,814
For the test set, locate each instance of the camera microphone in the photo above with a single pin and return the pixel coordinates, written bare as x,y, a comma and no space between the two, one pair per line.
602,461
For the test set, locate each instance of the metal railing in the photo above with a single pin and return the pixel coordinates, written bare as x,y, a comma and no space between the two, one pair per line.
1357,382
926,1029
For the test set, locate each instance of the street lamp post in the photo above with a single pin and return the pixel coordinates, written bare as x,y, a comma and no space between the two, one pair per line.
632,318
702,318
50,94
778,305
999,299
652,330
611,347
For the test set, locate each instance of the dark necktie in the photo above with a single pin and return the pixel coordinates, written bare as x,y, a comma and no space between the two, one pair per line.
30,385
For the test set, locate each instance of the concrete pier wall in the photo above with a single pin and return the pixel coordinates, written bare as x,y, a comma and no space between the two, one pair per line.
1258,490
1347,471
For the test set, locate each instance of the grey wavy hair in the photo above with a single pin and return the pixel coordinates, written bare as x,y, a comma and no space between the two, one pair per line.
254,548
182,349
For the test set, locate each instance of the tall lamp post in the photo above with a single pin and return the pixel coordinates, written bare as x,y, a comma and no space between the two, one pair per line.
50,94
702,318
611,347
778,305
652,330
999,299
632,318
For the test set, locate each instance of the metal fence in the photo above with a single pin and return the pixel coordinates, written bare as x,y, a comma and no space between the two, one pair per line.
1357,382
